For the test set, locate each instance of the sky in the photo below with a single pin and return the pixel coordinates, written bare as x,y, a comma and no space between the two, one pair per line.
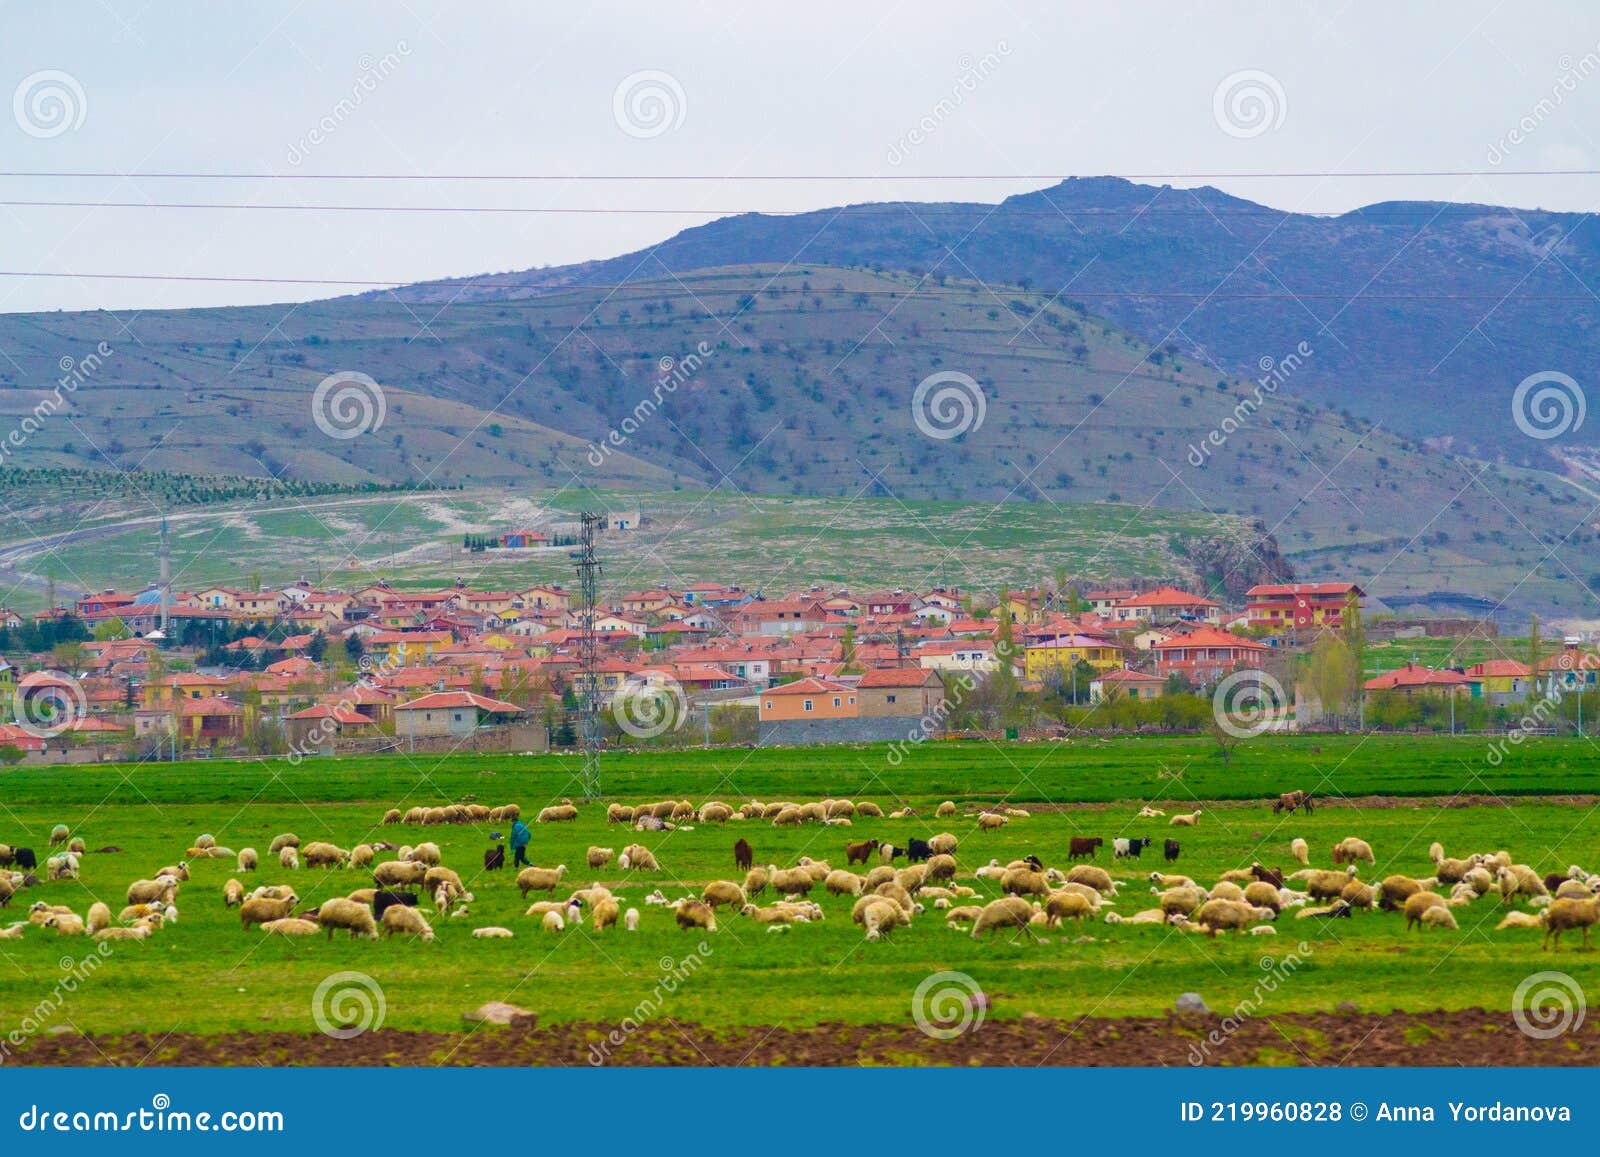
834,102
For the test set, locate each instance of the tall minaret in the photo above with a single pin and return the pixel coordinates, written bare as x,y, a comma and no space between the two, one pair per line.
165,555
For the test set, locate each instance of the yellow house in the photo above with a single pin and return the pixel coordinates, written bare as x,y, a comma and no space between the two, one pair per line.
1022,606
406,648
1064,652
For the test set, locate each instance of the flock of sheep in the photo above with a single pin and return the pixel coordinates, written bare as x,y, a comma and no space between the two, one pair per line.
884,896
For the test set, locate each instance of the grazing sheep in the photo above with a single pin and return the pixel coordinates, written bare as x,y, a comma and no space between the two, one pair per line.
1263,895
881,917
605,915
1226,890
289,858
1181,901
1351,850
1450,871
942,867
1024,882
869,810
392,816
790,881
1066,906
560,814
1324,885
1418,903
324,855
842,883
1569,915
425,853
1185,821
630,919
1232,915
638,858
1519,880
361,856
912,878
1097,878
1300,850
600,857
1359,895
551,921
1436,917
400,873
286,840
723,892
400,919
619,814
261,909
1006,912
62,867
356,919
755,881
879,875
967,914
146,891
991,821
943,844
232,894
1396,890
790,816
59,835
694,914
76,846
247,859
947,808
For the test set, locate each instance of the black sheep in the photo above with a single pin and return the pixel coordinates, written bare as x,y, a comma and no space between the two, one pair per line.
494,859
383,901
1171,850
25,859
743,856
918,850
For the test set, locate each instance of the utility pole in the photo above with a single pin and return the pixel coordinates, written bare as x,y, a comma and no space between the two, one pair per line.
589,654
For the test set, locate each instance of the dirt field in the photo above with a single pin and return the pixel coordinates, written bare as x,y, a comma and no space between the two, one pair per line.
1472,1037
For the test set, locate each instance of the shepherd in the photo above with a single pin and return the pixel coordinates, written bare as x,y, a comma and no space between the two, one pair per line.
520,837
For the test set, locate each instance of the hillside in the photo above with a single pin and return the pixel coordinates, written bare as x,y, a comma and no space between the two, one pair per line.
1424,315
805,387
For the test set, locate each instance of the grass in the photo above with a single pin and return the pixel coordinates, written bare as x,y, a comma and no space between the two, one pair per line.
206,975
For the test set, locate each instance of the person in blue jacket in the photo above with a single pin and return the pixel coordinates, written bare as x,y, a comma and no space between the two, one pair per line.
520,838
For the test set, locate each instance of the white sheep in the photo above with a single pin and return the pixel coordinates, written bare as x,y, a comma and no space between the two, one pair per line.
1182,820
630,919
1300,850
490,933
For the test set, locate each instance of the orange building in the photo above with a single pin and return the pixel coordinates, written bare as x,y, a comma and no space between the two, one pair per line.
811,698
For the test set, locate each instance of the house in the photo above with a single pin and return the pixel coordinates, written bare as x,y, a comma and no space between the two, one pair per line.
646,602
1063,653
523,539
325,722
1413,680
778,617
1126,683
184,685
1278,607
46,702
450,713
909,691
406,648
1569,669
1166,604
1499,681
1104,602
213,719
1150,636
810,698
885,603
551,598
1207,654
106,602
957,655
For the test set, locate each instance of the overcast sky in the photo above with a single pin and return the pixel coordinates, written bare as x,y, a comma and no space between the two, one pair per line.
820,90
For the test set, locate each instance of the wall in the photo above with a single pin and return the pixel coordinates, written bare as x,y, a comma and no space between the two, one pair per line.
884,729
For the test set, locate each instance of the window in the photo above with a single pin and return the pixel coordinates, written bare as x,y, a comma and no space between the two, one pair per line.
806,705
836,701
890,698
769,704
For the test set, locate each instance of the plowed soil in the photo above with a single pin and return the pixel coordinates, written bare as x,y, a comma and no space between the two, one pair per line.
1471,1037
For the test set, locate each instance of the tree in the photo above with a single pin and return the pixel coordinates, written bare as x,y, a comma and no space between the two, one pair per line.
1225,740
1328,671
1533,657
11,754
847,650
1355,641
111,630
68,655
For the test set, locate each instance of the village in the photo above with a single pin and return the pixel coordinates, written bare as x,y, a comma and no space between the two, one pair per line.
306,671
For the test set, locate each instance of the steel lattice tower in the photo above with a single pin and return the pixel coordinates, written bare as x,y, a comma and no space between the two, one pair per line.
589,654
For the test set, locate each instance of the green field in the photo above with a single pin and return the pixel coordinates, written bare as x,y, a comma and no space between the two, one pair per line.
205,975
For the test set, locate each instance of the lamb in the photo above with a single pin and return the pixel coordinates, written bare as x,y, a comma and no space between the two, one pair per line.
1006,912
1024,882
232,894
247,859
398,919
1351,850
552,922
638,858
14,931
261,909
842,883
354,918
600,857
65,924
1300,850
1436,917
540,880
1568,915
723,892
1185,821
1419,903
446,876
1520,920
694,914
289,858
492,932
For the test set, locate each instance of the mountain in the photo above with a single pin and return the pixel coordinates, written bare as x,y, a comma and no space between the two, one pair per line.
1422,315
807,379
